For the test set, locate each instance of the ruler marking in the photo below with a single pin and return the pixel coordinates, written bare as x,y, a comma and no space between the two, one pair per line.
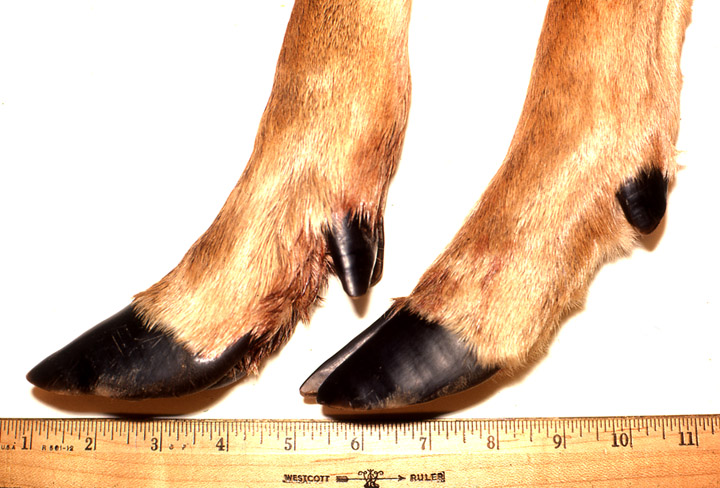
31,438
531,430
597,430
227,438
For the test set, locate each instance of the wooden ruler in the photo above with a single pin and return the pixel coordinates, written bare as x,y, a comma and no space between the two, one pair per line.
674,451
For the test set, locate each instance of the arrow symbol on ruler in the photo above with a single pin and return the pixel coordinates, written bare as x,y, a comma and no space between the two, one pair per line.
370,477
345,479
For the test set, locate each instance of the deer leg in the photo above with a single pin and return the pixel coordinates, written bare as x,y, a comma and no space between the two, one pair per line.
309,201
586,172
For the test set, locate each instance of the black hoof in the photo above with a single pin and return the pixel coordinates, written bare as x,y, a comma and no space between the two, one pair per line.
121,358
357,253
644,200
401,360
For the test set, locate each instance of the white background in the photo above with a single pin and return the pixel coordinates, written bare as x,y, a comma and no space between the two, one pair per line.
124,125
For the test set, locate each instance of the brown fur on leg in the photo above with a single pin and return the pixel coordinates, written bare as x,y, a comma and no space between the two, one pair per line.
602,107
328,144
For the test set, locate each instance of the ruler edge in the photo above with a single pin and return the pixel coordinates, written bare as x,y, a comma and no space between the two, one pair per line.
390,421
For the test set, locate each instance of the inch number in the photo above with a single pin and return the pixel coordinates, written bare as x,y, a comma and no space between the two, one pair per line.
154,444
622,440
559,441
423,441
355,444
289,444
89,446
221,446
491,443
686,439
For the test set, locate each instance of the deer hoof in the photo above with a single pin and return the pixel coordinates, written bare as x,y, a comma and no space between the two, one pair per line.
402,359
123,358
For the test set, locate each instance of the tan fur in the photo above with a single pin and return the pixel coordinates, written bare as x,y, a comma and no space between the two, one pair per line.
328,143
603,103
